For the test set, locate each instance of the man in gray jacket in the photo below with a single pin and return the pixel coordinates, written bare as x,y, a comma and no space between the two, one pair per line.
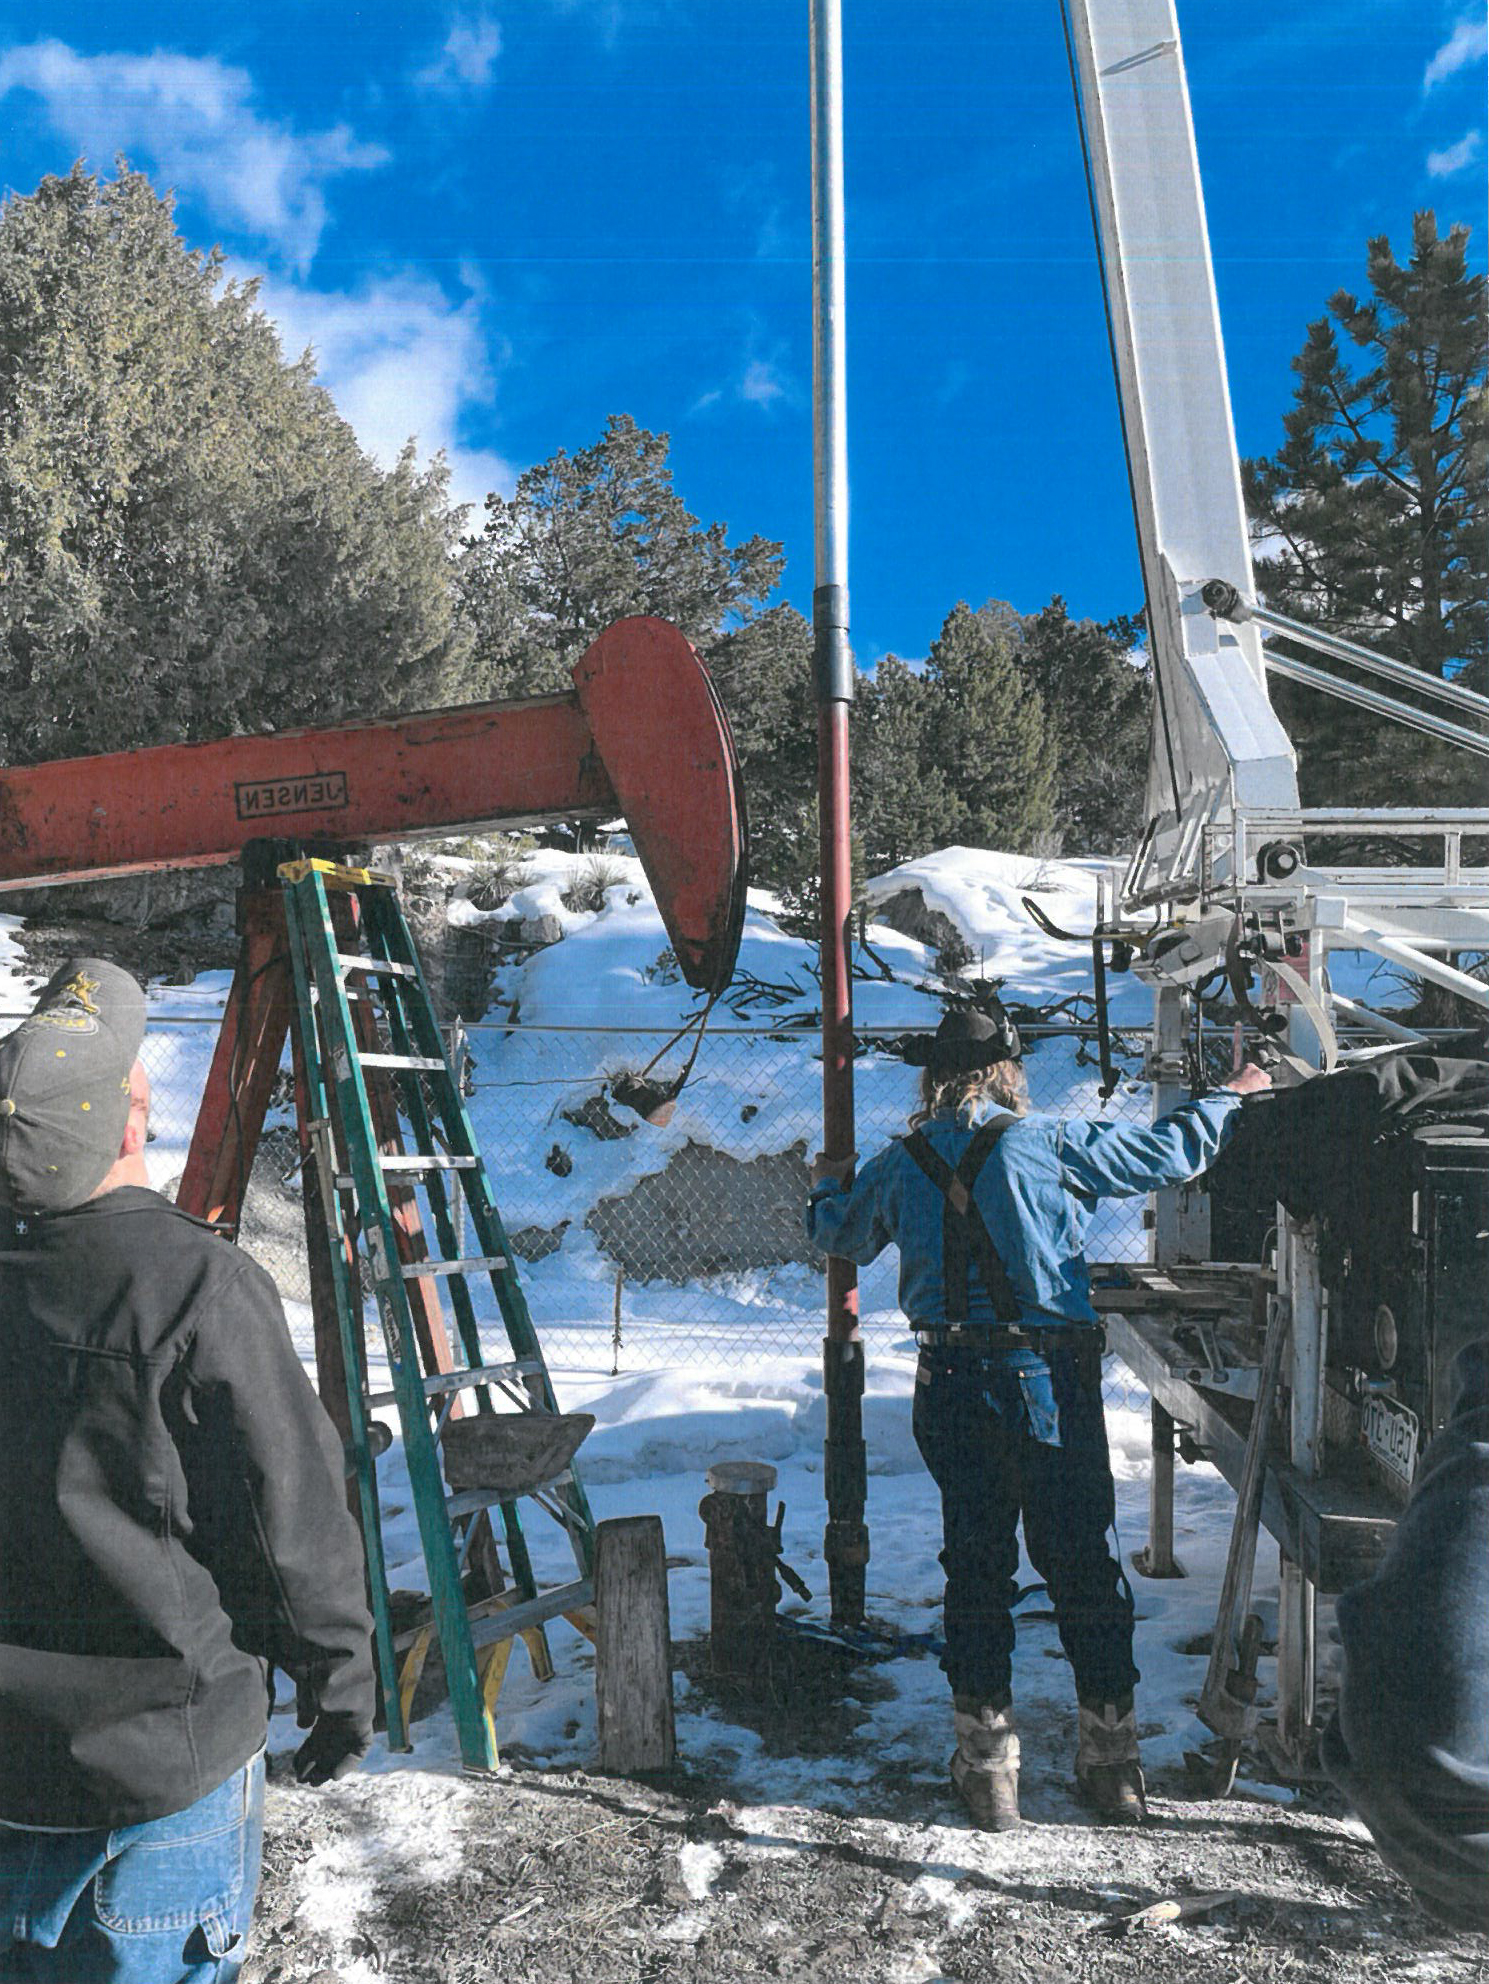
175,1526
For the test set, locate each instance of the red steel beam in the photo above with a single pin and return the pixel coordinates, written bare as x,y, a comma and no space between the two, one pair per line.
198,805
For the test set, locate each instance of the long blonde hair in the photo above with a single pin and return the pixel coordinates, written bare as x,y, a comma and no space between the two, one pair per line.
1003,1084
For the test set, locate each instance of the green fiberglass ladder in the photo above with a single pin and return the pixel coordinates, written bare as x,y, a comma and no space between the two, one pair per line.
388,1120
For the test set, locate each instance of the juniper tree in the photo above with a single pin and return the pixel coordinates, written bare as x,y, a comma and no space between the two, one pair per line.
903,803
763,673
191,540
987,734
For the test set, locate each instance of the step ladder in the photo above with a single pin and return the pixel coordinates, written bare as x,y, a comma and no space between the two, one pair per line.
386,1117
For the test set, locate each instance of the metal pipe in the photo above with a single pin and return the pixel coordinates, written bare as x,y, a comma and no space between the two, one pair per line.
1448,976
1380,1022
832,658
845,1467
1382,705
1227,604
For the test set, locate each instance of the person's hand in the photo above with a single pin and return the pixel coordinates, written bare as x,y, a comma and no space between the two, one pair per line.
1249,1080
824,1167
335,1746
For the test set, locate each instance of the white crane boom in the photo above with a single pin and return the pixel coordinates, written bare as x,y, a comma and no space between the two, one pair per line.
1216,740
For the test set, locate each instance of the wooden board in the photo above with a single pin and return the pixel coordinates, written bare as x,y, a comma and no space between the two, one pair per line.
633,1649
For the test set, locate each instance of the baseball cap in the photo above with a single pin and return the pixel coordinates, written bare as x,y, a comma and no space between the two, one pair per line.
64,1086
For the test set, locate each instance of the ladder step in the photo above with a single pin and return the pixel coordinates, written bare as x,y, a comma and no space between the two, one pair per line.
463,1379
374,967
483,1263
471,1501
433,1063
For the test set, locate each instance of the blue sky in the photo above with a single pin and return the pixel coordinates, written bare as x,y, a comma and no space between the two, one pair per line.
498,224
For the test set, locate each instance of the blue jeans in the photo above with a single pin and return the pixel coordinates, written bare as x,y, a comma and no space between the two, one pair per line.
1007,1433
167,1902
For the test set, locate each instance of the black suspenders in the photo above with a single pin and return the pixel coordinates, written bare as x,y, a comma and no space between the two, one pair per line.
964,1234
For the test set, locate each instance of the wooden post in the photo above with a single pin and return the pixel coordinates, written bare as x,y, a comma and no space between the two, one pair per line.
1158,1560
633,1647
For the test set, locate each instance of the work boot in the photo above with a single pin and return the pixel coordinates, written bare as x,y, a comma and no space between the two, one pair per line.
985,1763
1108,1773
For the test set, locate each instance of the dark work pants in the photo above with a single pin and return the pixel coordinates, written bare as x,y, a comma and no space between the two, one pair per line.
1012,1433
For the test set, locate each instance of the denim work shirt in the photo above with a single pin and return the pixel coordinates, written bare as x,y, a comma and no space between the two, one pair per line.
1036,1193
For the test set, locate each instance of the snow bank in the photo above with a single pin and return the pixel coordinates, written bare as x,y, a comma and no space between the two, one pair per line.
981,894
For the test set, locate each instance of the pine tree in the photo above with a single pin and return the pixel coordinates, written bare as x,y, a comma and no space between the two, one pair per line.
1374,514
191,541
987,734
1096,706
903,804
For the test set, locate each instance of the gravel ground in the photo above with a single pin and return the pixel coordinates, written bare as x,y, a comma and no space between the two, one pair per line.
547,1876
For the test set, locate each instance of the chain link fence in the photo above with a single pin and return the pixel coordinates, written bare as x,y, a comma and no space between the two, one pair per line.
650,1227
676,1224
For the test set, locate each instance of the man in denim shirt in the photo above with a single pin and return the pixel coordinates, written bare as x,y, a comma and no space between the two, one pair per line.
989,1207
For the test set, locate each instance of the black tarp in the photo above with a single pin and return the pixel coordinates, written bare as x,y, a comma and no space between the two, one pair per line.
1328,1146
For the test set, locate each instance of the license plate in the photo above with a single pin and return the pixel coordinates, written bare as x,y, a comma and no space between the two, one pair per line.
1391,1435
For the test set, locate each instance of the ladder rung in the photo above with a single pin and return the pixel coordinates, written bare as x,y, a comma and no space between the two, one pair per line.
489,1263
472,1500
345,1182
514,1619
465,1379
499,1622
432,1062
374,967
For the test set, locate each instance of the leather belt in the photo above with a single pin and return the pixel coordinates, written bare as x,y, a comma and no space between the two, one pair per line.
1009,1336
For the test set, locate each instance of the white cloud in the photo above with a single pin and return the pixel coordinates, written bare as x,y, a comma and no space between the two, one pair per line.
1468,41
1268,545
401,359
193,120
1443,164
611,17
762,384
466,60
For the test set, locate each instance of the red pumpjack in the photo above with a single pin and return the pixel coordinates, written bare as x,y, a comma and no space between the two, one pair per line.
642,736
